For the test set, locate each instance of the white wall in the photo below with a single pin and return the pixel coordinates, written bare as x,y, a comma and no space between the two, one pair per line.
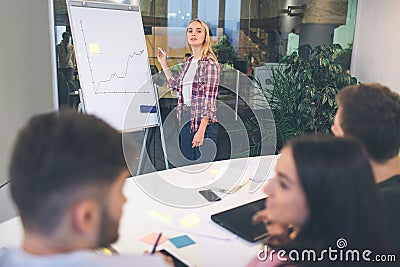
26,68
376,56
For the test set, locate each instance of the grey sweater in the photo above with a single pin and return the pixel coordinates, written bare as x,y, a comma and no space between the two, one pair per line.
18,258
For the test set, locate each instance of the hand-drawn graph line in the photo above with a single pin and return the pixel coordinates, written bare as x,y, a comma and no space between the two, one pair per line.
113,75
116,76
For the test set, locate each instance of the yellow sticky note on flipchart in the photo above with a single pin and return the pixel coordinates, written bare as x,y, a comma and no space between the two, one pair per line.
94,48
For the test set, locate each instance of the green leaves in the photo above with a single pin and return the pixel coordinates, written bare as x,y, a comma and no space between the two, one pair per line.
224,50
305,87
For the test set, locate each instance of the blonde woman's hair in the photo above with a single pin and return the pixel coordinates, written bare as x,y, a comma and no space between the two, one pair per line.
206,50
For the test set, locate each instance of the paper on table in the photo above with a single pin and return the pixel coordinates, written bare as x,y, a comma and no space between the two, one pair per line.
209,230
182,241
151,238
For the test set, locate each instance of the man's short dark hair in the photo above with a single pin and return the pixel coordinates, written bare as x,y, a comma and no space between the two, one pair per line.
371,113
188,55
66,34
58,159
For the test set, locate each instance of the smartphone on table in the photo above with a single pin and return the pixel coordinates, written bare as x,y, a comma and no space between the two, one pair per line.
209,195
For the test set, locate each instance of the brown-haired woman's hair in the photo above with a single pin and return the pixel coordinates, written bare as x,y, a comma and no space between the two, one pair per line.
206,50
342,198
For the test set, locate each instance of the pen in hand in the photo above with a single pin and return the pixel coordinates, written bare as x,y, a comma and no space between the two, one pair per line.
155,244
162,51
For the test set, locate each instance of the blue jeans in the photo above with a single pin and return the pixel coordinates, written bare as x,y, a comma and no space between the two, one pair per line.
204,153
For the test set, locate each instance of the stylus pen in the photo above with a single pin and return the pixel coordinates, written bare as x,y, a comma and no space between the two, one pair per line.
162,51
155,245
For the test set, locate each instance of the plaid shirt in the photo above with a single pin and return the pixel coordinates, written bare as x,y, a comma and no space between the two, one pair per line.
204,91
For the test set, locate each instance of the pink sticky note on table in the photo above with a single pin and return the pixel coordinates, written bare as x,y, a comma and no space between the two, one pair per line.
151,238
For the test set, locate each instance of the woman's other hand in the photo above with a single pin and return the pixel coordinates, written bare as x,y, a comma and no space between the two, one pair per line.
198,138
260,216
278,233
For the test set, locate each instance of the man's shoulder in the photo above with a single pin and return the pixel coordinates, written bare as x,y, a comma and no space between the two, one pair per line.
389,191
128,260
390,184
18,258
11,257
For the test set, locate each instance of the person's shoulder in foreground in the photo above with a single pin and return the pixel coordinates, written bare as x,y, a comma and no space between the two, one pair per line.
19,258
370,113
67,173
390,195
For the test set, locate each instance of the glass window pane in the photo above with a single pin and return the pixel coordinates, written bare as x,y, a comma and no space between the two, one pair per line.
232,20
208,11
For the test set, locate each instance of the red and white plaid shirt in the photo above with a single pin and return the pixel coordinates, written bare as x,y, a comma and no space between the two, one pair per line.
204,91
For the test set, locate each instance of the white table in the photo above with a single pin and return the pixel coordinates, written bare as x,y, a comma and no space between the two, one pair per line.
143,214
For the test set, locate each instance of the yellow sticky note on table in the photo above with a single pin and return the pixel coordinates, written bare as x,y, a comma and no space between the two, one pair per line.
190,220
215,171
94,48
159,216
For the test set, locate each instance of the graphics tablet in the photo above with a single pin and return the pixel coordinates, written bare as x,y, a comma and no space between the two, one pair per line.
239,221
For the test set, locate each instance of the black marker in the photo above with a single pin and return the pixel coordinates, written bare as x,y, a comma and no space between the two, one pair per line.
155,245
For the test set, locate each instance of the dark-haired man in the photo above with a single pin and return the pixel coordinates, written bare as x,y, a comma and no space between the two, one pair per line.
67,173
370,113
65,56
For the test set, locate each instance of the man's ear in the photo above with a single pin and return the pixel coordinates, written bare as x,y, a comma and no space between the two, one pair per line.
85,217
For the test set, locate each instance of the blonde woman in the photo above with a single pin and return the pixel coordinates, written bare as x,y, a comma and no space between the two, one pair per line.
197,86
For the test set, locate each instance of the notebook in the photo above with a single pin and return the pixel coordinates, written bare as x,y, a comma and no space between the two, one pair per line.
239,221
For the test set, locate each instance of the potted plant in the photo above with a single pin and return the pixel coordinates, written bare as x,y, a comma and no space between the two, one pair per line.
224,51
304,89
